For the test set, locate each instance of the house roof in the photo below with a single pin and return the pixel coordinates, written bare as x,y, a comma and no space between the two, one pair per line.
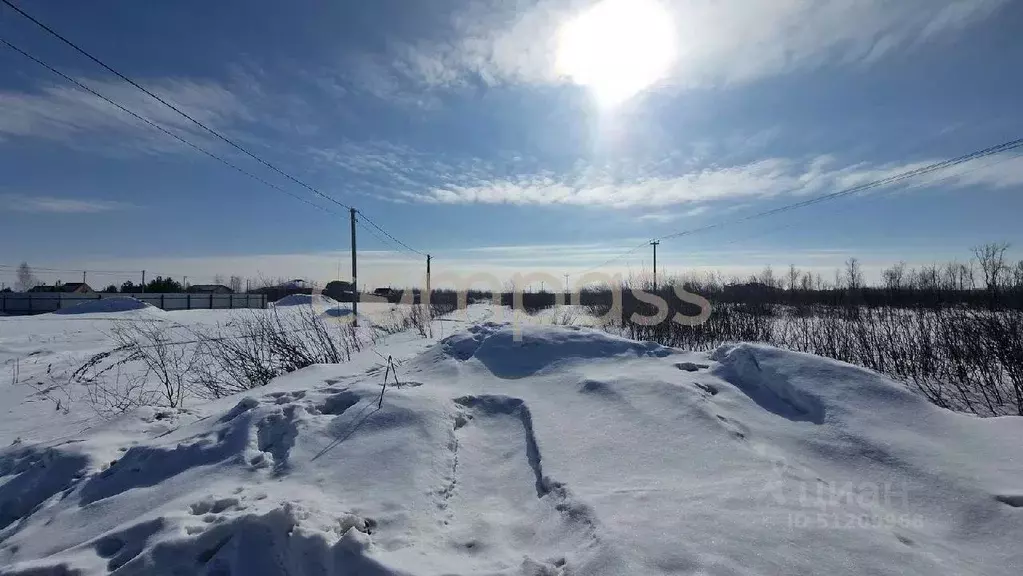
69,287
208,287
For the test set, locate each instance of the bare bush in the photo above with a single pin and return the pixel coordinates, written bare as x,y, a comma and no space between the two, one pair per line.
118,390
564,317
415,316
146,368
445,307
261,346
422,319
148,343
958,358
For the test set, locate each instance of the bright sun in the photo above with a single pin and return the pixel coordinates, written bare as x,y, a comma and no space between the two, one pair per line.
617,48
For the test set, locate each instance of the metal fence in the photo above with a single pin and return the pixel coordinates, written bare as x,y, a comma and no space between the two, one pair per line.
15,303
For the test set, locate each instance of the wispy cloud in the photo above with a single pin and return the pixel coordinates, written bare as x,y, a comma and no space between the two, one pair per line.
662,217
757,180
71,116
721,41
53,205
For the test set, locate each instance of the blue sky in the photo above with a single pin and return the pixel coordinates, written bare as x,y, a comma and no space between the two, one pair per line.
448,123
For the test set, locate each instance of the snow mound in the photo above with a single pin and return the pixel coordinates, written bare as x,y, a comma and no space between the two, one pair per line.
306,300
540,451
519,351
119,304
776,394
338,312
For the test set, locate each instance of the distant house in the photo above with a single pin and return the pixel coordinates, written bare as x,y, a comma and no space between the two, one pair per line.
339,290
209,289
69,288
274,293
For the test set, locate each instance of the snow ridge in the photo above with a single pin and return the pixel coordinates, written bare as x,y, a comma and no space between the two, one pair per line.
548,452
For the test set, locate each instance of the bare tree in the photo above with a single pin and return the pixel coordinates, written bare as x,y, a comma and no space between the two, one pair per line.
806,282
967,279
853,274
794,275
927,278
236,284
767,277
950,276
894,276
218,279
26,278
991,257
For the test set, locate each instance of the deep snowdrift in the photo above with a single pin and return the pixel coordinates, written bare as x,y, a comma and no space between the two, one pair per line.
119,304
538,451
306,300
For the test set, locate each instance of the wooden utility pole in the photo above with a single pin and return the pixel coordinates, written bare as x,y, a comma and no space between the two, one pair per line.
355,278
654,243
143,281
428,292
83,276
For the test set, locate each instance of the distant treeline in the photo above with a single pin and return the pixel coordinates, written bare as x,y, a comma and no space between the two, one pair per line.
987,280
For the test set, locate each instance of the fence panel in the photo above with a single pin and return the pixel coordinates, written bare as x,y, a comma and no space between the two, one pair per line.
22,303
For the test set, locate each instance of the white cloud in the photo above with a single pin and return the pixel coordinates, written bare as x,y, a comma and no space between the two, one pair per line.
719,41
761,179
390,80
74,117
663,217
52,205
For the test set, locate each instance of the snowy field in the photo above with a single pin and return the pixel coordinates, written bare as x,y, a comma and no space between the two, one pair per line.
537,449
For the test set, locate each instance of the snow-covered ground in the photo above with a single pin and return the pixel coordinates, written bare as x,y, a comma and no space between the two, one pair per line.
534,449
38,353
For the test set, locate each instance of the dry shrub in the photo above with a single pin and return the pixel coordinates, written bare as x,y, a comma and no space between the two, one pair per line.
260,346
963,359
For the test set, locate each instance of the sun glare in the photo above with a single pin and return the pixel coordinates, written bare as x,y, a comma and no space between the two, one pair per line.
617,48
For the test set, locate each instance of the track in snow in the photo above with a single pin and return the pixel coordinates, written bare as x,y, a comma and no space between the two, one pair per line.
500,508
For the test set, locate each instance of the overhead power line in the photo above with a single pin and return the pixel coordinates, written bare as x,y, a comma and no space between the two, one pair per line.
161,128
614,259
894,179
916,185
44,269
385,233
375,235
185,115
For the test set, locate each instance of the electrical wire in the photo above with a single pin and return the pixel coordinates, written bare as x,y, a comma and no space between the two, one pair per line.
185,115
990,151
161,128
151,94
384,232
1002,148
